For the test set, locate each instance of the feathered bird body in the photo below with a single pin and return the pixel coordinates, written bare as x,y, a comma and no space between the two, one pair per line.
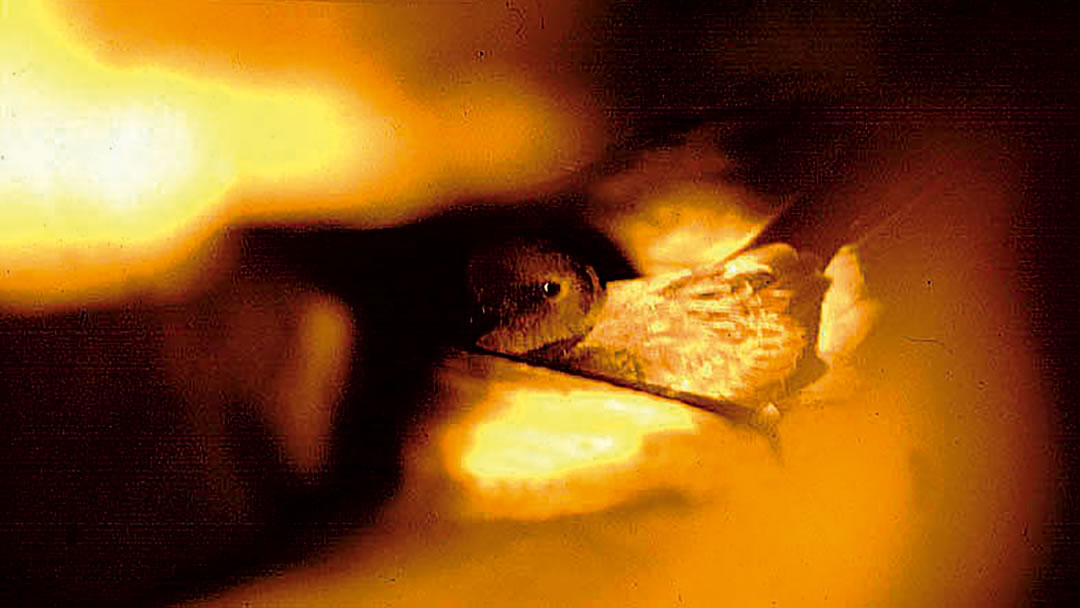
735,331
730,336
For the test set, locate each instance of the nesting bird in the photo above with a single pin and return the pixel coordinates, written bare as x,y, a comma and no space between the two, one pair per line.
729,337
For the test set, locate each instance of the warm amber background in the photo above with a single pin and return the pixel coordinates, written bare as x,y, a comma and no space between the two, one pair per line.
917,475
920,474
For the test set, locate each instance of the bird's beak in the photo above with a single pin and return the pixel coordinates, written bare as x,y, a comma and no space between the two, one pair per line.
733,337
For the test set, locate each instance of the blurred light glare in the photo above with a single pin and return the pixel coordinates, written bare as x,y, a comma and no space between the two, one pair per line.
116,159
108,174
129,138
542,435
681,225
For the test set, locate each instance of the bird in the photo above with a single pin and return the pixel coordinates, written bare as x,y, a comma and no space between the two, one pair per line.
735,336
730,337
532,282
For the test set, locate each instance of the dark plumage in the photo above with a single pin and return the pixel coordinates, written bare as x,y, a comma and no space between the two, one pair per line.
526,294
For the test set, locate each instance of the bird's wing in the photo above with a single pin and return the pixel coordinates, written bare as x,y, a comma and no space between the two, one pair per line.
735,331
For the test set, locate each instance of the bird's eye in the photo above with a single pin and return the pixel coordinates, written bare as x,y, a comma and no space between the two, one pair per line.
535,296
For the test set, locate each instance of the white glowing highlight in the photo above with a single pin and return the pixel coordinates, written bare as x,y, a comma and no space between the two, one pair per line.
744,264
120,157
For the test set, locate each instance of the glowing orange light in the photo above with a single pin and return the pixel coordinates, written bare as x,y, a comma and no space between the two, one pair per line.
546,434
540,444
684,225
309,385
848,313
110,175
102,170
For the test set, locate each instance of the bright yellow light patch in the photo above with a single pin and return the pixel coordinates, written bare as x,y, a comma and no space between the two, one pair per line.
128,137
848,313
684,225
535,444
543,435
105,172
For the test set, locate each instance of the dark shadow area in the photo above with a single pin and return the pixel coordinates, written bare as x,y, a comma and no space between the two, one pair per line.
114,492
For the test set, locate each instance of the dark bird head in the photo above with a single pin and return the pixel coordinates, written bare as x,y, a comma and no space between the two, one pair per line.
527,295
